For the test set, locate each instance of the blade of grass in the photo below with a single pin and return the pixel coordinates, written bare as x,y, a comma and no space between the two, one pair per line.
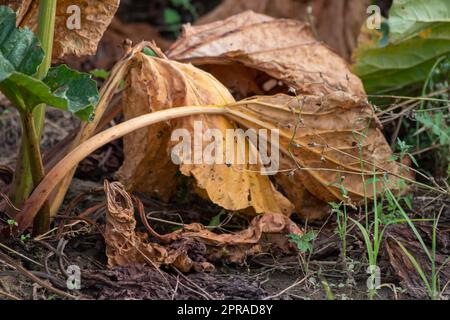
410,223
416,265
367,241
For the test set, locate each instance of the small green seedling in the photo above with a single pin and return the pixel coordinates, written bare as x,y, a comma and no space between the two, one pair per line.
12,222
100,73
303,242
24,238
215,221
172,17
340,209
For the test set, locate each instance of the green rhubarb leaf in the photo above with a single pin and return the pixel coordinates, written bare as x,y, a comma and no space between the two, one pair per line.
20,57
419,35
62,88
26,92
409,17
20,50
76,88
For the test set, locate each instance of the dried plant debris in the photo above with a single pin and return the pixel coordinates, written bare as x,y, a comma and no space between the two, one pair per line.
257,46
79,24
193,246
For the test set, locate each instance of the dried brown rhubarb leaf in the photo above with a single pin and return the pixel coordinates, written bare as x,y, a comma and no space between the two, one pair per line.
124,246
79,24
154,84
337,23
330,147
265,53
193,246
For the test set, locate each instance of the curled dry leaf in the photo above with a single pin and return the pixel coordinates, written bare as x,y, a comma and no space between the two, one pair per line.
72,36
265,53
124,246
330,147
347,17
155,84
190,247
122,243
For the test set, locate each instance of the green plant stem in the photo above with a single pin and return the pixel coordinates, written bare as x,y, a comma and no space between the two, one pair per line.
31,142
23,181
22,178
46,31
434,290
344,237
434,271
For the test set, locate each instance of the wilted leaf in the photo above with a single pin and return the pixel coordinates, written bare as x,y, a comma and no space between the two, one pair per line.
337,23
319,145
126,247
284,53
71,37
321,160
419,35
154,84
320,139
